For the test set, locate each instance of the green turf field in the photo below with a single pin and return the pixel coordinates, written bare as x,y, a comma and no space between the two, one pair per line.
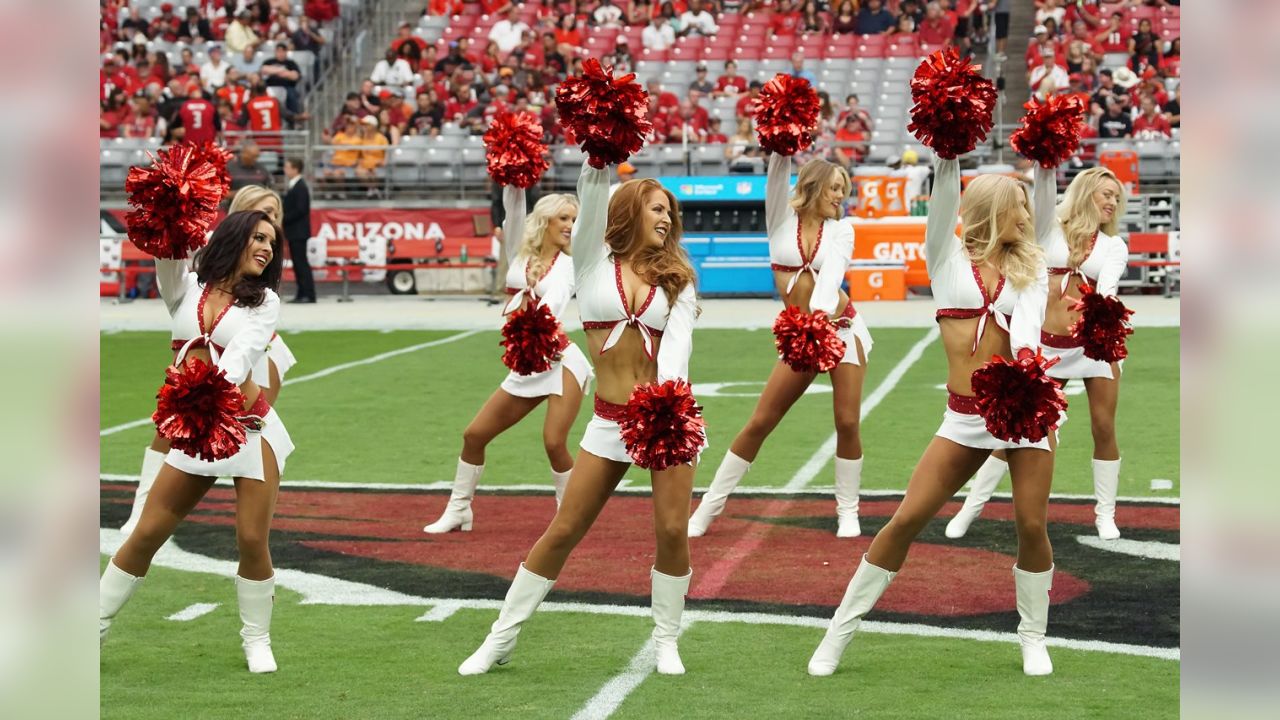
399,420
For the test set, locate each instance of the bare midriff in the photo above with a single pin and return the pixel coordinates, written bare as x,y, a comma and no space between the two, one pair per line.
624,366
957,339
802,293
1058,317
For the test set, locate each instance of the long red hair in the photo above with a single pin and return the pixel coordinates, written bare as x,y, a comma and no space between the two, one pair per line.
666,266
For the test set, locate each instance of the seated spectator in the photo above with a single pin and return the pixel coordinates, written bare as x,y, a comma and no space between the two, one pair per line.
1089,11
798,71
640,12
1113,38
247,62
495,7
937,28
1115,123
549,55
508,31
746,106
786,18
607,15
246,170
730,83
240,35
666,101
811,20
714,135
282,72
230,120
658,35
235,90
115,112
1049,9
1150,84
454,60
1049,78
457,107
134,25
697,20
307,38
392,70
851,141
905,26
1171,61
667,11
411,47
568,39
621,60
688,125
852,107
701,85
1075,57
1150,123
490,60
142,120
372,158
873,19
444,7
742,152
845,18
1080,32
194,28
1144,49
1035,51
343,162
165,26
213,74
1173,108
427,117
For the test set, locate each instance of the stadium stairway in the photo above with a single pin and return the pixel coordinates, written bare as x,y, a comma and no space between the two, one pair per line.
1022,19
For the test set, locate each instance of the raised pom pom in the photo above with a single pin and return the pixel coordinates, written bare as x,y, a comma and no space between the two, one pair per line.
953,104
175,200
608,116
533,340
514,149
1050,131
197,411
807,342
663,425
218,157
786,114
1017,399
1102,327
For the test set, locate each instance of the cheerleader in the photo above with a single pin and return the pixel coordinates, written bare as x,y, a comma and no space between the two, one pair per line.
224,309
1081,246
990,288
636,297
540,271
268,373
810,250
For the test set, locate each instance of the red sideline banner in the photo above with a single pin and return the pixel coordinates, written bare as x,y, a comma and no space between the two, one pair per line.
343,228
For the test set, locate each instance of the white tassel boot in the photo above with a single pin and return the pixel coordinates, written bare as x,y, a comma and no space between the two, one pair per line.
981,487
115,587
1106,482
668,605
562,482
152,461
728,475
257,598
523,597
848,482
457,514
864,590
1033,609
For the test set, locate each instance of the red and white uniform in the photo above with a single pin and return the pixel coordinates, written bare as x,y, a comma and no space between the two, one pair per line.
959,293
553,290
831,256
238,341
665,324
1102,269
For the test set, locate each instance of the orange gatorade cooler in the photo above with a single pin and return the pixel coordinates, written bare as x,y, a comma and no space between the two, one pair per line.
1124,163
877,281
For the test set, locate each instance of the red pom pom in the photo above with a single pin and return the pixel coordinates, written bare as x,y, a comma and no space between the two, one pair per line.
663,426
786,114
1050,131
607,115
1017,399
198,410
807,341
218,157
176,200
1103,326
514,148
533,339
953,104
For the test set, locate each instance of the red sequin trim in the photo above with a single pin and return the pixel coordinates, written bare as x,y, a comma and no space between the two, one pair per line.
176,345
200,312
1061,342
963,404
800,242
612,412
260,406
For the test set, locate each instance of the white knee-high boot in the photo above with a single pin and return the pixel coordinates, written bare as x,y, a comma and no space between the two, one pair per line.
728,475
115,587
981,487
152,461
561,481
257,599
1033,610
848,483
864,590
668,605
457,514
523,597
1106,483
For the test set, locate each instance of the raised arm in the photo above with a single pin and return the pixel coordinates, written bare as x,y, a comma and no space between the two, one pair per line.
1113,267
1028,313
1044,196
250,343
587,240
944,206
677,338
513,203
171,277
776,189
826,291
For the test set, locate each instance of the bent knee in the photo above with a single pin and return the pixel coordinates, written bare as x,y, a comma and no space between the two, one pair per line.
906,527
564,533
847,426
672,533
555,447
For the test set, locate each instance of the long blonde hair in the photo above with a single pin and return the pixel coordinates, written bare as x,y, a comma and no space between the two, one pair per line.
1079,214
666,266
535,228
812,180
247,197
989,204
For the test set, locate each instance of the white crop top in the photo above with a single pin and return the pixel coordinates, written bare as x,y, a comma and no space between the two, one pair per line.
602,299
832,252
956,281
555,287
1107,259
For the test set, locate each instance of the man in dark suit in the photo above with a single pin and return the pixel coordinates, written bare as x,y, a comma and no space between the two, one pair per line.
195,27
297,227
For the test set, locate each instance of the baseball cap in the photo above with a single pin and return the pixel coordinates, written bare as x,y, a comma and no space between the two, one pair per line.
1040,30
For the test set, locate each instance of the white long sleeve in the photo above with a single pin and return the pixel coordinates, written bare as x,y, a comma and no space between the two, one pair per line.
587,239
944,206
1028,313
677,338
171,277
826,291
513,202
1113,267
1044,196
777,187
250,343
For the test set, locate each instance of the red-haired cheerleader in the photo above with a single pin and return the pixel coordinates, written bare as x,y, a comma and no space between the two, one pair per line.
224,309
819,331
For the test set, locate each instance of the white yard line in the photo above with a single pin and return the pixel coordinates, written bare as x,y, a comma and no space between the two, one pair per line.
191,612
1137,548
810,469
318,374
610,697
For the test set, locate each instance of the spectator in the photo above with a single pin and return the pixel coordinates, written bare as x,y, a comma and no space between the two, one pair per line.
852,107
411,47
658,35
282,72
1171,62
905,26
1048,78
845,18
1086,10
372,158
640,12
917,174
444,7
812,21
786,19
701,85
245,169
666,101
494,7
1080,32
937,28
240,35
742,152
165,26
142,120
230,119
213,74
454,60
851,141
392,70
689,124
1043,39
915,9
1049,9
247,62
194,28
1150,123
746,106
568,39
698,21
115,112
174,97
1144,48
967,20
714,135
730,83
235,91
456,109
508,31
798,71
1115,123
490,60
262,116
621,60
1150,84
608,15
307,38
342,164
427,117
1001,12
1173,108
1075,57
1051,27
199,118
134,24
667,10
1113,38
873,19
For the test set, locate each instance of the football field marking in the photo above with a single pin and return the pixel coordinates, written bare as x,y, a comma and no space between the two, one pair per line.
191,612
1136,548
810,469
318,374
